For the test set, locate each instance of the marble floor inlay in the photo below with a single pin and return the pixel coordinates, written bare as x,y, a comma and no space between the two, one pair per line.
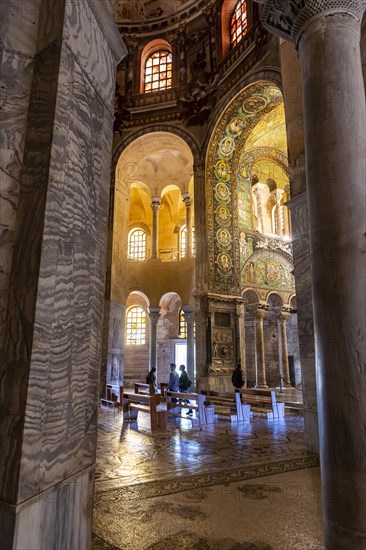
144,478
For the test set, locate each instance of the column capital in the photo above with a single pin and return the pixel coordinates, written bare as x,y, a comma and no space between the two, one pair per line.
258,310
154,314
287,18
155,203
283,316
188,313
187,199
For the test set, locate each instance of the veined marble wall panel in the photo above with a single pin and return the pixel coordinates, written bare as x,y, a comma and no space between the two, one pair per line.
64,373
82,31
301,254
16,78
113,360
19,25
36,519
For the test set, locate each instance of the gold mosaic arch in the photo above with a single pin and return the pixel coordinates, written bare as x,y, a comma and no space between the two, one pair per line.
223,154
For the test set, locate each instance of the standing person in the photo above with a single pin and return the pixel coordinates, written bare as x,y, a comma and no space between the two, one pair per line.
237,377
151,378
173,384
184,383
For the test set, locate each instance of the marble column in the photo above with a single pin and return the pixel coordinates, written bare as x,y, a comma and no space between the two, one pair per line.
328,39
259,315
50,358
277,212
154,314
155,205
304,299
240,315
283,350
257,191
200,225
187,199
188,313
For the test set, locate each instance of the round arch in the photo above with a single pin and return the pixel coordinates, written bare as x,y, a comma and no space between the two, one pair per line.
186,136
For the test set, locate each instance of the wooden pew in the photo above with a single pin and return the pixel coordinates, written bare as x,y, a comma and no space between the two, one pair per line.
174,408
263,401
146,389
228,404
110,399
135,402
163,389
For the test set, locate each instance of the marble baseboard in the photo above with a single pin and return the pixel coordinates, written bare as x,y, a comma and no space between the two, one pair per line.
52,519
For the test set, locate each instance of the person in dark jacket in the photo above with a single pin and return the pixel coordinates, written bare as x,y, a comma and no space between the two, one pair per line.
184,383
237,377
151,378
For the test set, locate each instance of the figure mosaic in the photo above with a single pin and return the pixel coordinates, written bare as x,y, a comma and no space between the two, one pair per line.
222,170
227,146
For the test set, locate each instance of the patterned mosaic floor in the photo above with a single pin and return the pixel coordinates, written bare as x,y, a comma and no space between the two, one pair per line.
159,491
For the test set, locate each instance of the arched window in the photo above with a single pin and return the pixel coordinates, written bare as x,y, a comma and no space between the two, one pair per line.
183,241
137,245
158,71
182,325
136,326
239,23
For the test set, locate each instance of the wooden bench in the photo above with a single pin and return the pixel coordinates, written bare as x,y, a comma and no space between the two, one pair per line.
175,407
263,401
146,389
135,402
228,404
110,399
163,389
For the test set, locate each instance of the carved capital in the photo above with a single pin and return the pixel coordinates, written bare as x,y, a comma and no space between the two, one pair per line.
155,203
187,199
287,18
154,314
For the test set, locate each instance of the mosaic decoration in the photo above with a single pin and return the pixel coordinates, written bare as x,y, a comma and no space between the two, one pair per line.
268,270
228,187
245,219
222,170
222,192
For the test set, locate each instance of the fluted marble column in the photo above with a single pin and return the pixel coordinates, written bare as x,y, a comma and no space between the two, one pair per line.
328,37
187,199
259,315
50,360
188,312
283,349
155,205
240,314
154,314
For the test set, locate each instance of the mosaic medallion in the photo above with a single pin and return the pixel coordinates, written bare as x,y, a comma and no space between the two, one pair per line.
223,215
254,104
224,262
227,146
222,192
236,125
222,170
223,237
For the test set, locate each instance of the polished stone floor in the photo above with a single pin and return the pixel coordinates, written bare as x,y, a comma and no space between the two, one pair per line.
249,486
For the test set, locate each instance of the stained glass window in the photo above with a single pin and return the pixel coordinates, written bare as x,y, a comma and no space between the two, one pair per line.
137,245
239,23
158,71
136,326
